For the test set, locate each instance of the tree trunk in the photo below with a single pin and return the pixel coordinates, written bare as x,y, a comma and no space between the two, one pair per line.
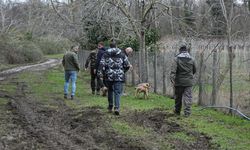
147,65
140,66
230,52
214,90
133,71
164,88
143,57
248,5
201,84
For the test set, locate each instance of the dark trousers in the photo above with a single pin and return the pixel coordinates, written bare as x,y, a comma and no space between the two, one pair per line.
114,94
183,94
96,83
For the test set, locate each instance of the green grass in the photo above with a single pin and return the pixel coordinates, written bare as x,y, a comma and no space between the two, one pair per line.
54,56
124,128
3,102
227,131
7,66
183,137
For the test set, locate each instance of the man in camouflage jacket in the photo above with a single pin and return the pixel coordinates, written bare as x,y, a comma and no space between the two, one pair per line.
113,66
91,61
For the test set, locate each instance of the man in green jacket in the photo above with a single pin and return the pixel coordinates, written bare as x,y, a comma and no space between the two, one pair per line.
182,77
71,66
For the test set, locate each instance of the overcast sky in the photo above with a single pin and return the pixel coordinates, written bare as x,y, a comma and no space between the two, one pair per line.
239,1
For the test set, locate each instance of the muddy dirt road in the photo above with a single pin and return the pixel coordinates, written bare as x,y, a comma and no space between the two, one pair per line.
36,67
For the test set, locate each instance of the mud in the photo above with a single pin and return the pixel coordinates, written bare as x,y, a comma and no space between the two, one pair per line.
156,119
34,126
161,123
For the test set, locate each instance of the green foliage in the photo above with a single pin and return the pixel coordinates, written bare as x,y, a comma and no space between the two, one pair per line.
95,34
152,36
130,42
24,52
53,45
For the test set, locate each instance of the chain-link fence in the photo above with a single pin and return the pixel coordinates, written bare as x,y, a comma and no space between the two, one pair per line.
213,77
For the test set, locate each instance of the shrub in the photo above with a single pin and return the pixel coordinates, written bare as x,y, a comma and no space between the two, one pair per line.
53,45
24,52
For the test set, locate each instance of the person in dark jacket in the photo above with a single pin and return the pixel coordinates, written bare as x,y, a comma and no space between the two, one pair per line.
182,77
101,51
113,66
71,66
91,61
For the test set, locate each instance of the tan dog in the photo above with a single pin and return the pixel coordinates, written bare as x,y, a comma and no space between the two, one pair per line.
142,88
104,91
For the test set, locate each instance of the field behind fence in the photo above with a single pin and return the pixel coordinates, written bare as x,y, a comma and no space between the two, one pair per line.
215,62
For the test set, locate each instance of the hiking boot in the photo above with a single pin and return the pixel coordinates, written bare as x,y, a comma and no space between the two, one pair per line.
72,97
65,96
177,113
117,113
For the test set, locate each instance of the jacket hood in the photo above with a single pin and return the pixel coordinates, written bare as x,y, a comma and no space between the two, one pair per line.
184,55
113,51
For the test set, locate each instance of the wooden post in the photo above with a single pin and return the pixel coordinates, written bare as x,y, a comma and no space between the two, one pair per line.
155,71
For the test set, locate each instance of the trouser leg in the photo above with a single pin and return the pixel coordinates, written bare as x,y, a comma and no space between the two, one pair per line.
93,77
187,100
117,94
99,84
73,78
178,99
66,84
110,94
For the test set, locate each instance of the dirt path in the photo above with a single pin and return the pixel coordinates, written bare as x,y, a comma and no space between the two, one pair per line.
36,67
31,124
36,126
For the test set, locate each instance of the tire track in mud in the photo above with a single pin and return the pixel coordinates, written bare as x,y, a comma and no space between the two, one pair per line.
62,128
34,119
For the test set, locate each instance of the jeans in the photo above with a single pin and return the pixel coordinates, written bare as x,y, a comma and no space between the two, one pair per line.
114,92
70,76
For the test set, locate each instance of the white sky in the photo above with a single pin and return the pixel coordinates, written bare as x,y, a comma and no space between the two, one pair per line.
238,1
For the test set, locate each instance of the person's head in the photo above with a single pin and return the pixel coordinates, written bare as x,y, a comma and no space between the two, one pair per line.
74,48
183,47
129,51
112,44
100,45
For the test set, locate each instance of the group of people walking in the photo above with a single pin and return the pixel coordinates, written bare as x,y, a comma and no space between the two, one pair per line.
108,68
